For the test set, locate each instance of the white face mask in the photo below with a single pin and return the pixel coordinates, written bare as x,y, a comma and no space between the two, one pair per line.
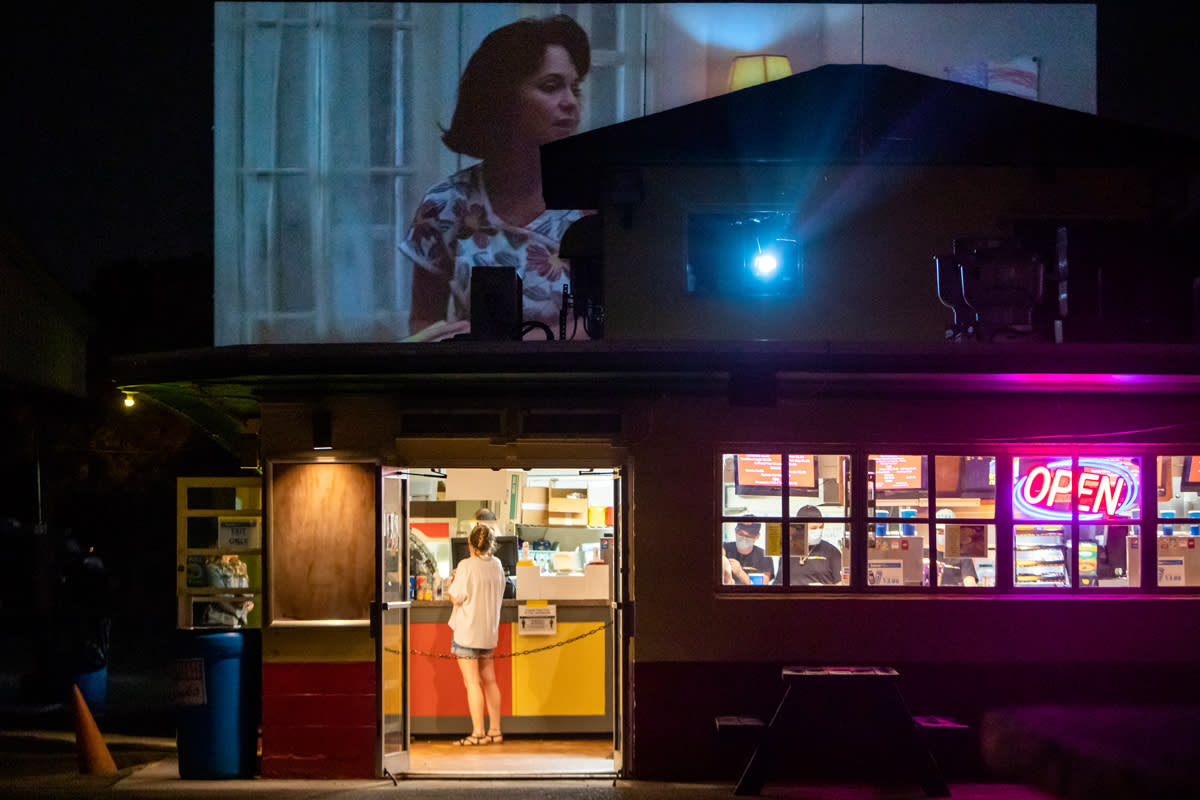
745,544
814,536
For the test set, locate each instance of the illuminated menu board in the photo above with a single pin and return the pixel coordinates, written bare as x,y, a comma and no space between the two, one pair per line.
899,472
1190,480
764,471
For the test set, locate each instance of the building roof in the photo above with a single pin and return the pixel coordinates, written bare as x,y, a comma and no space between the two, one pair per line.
221,389
835,114
855,114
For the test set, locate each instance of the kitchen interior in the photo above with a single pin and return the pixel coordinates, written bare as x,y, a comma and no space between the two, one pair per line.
554,661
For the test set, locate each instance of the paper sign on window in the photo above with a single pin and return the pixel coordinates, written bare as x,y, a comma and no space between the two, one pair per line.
885,573
238,532
1170,572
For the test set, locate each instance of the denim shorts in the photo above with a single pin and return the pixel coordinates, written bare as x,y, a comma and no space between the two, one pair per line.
468,652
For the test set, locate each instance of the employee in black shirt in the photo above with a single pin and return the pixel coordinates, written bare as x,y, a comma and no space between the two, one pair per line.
746,556
813,559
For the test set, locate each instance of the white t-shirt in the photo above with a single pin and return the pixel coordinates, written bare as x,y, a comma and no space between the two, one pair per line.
479,583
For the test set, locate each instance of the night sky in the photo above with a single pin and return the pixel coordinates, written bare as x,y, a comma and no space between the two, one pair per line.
108,124
108,120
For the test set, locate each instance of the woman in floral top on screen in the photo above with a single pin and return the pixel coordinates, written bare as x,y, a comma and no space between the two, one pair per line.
520,90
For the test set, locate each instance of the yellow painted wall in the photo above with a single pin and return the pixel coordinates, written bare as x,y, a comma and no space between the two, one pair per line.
297,644
561,681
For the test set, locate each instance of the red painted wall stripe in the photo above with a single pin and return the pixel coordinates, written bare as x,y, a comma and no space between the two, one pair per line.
318,677
319,767
332,741
318,720
435,684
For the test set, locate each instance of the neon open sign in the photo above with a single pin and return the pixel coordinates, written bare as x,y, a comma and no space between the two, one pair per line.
1107,488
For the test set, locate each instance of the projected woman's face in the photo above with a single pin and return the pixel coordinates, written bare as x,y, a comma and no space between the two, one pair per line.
548,105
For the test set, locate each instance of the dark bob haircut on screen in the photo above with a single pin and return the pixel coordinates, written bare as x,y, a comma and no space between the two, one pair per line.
507,56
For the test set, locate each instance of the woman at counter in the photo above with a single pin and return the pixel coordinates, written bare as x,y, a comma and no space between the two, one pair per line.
477,594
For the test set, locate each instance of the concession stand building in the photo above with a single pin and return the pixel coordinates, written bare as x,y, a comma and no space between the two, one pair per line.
973,350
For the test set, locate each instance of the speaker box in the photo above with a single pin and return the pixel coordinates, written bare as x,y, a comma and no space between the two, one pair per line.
496,309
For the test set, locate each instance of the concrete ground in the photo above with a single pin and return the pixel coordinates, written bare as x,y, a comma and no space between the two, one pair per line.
54,777
44,764
39,757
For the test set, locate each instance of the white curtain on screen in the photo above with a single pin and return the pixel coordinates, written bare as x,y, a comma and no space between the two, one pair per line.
326,134
316,171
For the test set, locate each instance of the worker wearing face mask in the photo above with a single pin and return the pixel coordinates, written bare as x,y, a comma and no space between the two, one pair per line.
746,556
814,560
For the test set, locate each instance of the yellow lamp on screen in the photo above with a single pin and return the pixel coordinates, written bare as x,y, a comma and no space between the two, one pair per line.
755,69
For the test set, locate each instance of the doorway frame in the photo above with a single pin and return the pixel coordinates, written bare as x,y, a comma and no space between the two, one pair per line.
391,612
458,453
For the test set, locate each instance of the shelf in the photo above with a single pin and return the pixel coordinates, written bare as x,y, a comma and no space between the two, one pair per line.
1040,558
222,512
215,610
223,591
569,505
221,551
224,517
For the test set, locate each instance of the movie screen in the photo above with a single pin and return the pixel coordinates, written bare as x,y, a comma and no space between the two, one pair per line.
369,155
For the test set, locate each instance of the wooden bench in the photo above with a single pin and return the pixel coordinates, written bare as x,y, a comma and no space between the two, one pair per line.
739,728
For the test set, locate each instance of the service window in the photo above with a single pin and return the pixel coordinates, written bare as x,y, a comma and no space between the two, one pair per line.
1177,538
777,532
1060,502
964,520
818,540
1109,501
898,536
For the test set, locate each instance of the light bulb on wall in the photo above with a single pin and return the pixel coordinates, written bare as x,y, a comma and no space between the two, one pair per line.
751,70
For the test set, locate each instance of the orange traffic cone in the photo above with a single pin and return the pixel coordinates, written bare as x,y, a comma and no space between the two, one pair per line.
94,758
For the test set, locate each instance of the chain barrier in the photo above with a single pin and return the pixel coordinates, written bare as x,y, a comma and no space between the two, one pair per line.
563,643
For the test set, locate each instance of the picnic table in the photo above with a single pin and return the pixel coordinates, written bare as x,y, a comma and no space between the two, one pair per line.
877,687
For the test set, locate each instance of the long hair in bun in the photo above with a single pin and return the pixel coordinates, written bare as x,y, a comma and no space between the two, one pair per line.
483,539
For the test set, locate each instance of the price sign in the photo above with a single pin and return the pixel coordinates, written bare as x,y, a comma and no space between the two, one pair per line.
885,573
1170,572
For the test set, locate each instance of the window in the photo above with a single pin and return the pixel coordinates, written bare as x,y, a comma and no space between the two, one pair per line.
965,533
1066,512
898,492
1178,524
326,135
1067,520
814,511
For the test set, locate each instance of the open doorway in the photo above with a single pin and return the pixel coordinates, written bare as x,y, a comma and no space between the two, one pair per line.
557,661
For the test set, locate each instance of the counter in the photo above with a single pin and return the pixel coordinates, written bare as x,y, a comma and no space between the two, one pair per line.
594,581
575,610
565,689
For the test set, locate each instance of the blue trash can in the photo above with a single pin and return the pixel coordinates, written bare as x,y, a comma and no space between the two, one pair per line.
212,715
93,687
